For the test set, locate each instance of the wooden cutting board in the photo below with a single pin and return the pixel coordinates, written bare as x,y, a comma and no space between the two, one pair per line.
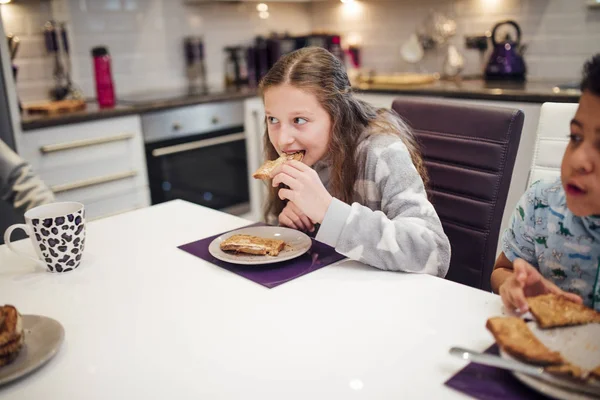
55,107
407,79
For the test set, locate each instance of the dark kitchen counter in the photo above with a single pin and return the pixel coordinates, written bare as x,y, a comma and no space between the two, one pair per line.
141,105
478,89
529,92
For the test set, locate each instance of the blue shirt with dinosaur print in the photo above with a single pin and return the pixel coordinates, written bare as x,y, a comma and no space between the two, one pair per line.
563,247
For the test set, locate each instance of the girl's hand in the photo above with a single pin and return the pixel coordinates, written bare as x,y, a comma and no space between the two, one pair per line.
526,281
292,217
306,190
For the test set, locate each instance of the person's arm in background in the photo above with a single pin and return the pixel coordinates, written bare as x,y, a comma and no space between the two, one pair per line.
19,185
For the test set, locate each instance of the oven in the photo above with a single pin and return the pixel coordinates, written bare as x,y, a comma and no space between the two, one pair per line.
198,154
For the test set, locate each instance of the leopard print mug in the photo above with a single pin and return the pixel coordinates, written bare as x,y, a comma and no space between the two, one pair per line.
57,231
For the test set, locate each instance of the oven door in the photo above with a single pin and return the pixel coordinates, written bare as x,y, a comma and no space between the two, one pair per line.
206,169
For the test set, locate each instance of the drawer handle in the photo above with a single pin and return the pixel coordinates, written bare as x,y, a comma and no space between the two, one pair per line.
92,182
76,144
198,144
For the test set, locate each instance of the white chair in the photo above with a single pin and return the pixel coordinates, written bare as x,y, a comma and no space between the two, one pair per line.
551,142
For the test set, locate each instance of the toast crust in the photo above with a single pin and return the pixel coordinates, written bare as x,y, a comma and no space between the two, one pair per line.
252,245
265,171
12,335
13,346
514,336
10,324
596,372
551,310
568,371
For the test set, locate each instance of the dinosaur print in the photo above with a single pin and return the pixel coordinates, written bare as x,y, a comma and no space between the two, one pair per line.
593,226
564,231
541,240
558,274
540,204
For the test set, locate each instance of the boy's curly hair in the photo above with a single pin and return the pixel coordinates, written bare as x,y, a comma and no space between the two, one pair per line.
591,75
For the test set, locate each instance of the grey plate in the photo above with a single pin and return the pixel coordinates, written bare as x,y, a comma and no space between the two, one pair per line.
579,345
43,337
297,243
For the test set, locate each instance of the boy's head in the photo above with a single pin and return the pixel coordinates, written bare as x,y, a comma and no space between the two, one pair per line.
580,170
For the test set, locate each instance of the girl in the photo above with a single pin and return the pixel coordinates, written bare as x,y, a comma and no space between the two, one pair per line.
362,177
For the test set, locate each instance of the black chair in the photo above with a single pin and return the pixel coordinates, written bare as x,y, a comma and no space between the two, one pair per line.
469,152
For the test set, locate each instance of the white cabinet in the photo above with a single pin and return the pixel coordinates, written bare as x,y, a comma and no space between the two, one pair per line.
254,127
100,163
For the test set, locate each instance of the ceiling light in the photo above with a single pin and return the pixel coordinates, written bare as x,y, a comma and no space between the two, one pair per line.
262,7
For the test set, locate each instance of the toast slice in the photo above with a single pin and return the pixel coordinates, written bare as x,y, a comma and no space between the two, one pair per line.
12,335
551,310
567,371
252,245
11,325
596,372
514,336
266,170
13,346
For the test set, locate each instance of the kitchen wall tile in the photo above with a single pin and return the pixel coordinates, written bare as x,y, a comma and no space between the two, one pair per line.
560,34
145,37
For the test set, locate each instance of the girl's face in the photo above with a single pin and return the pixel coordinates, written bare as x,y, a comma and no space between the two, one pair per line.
580,170
296,121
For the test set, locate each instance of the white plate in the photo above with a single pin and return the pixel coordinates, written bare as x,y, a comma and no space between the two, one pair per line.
43,337
297,243
579,345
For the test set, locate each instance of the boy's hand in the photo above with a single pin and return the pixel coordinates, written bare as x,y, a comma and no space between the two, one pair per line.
526,281
292,217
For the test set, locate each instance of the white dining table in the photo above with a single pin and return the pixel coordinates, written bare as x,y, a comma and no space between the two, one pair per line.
146,320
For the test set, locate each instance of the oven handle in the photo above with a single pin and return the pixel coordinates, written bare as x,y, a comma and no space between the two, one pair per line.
198,144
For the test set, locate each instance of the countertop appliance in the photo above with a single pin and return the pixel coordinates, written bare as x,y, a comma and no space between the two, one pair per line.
506,61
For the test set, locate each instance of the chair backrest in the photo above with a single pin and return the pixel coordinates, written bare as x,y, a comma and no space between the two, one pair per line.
551,140
469,152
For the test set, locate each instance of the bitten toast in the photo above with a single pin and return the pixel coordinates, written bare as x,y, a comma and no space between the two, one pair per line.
567,370
551,310
252,245
12,335
266,170
514,336
596,372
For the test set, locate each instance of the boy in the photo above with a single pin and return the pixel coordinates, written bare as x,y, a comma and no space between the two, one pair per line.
553,245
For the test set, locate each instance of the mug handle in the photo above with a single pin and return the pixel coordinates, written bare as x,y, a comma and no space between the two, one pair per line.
7,234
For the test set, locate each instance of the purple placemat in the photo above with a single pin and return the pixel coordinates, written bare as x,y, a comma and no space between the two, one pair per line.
270,275
490,383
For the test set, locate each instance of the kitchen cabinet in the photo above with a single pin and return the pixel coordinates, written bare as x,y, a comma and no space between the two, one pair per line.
99,163
254,129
